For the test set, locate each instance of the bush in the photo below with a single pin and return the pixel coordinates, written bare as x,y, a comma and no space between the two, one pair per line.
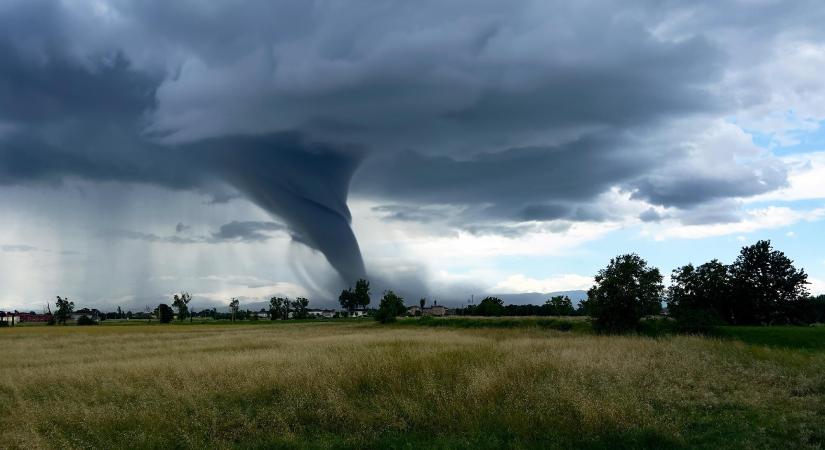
3,324
698,321
165,313
86,320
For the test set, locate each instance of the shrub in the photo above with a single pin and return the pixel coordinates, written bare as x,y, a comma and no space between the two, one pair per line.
86,320
698,321
165,313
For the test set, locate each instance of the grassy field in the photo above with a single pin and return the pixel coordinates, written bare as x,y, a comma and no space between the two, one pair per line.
361,385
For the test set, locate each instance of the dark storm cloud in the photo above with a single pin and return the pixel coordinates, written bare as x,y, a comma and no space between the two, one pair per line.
249,231
535,183
650,215
235,231
514,111
691,189
87,118
406,213
149,237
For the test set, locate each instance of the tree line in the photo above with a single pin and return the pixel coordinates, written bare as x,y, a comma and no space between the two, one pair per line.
761,287
559,305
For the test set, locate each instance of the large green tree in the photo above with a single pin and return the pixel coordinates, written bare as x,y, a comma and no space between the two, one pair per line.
490,306
346,299
559,305
358,298
624,292
181,303
300,308
165,313
361,296
391,306
766,287
275,306
234,306
64,309
700,297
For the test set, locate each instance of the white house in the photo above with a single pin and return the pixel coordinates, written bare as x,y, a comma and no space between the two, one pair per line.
90,313
321,313
358,312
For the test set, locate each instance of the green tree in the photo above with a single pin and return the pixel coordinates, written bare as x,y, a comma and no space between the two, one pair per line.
64,309
347,299
699,297
286,307
624,292
234,305
766,287
275,307
181,303
817,309
361,296
490,306
421,303
560,305
165,313
391,306
300,308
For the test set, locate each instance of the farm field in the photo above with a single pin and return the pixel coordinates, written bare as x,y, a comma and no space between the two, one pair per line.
357,384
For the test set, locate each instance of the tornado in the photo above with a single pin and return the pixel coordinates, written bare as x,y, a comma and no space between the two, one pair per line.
304,184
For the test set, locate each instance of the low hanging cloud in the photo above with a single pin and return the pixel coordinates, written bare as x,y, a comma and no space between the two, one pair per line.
17,248
235,231
250,231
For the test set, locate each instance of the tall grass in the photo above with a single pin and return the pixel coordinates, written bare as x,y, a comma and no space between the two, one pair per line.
361,385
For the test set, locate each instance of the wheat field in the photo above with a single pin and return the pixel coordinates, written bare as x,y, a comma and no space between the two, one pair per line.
363,385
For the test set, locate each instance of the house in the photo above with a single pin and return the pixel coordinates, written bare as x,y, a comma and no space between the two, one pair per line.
358,312
10,318
436,310
262,314
90,313
321,313
33,317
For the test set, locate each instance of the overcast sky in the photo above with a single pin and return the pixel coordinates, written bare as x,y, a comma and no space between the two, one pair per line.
440,148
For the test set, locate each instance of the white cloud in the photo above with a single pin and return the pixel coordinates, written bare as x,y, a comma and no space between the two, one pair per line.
439,242
816,286
253,293
563,282
755,219
806,179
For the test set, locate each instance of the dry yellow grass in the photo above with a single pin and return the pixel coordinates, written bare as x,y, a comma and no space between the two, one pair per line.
364,385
